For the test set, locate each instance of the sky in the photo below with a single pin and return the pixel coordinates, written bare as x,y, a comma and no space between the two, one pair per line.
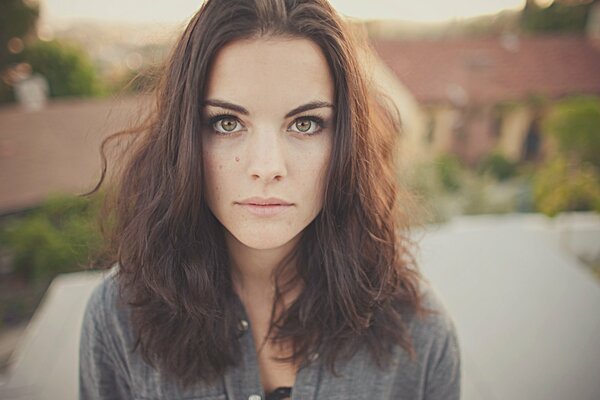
179,11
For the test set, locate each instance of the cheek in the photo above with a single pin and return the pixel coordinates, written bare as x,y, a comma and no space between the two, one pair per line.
214,160
314,173
211,167
214,169
322,164
222,175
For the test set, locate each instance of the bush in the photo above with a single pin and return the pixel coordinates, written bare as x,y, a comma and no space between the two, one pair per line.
67,68
575,123
560,16
448,169
563,186
498,166
60,236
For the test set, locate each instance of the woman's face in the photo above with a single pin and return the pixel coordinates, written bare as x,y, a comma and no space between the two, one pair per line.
268,113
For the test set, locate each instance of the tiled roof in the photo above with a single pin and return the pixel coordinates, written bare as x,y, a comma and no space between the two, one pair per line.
495,68
56,149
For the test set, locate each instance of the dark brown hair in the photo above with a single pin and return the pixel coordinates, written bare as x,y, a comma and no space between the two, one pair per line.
360,283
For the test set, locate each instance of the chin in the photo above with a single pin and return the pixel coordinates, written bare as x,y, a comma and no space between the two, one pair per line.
261,240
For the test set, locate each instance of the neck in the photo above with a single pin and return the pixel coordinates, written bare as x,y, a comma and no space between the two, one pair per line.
252,270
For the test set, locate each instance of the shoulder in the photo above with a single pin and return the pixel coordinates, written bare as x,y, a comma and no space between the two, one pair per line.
104,311
436,329
436,342
104,295
104,363
433,373
437,321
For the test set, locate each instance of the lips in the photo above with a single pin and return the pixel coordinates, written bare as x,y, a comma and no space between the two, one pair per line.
262,207
259,201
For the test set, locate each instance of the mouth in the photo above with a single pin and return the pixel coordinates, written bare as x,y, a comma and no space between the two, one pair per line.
259,201
265,207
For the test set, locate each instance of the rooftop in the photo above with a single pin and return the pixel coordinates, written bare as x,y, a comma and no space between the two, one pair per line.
494,69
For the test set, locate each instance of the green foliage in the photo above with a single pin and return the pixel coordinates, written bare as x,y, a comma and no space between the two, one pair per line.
475,194
448,168
575,123
558,17
60,236
498,166
570,179
6,93
562,186
17,19
18,301
67,68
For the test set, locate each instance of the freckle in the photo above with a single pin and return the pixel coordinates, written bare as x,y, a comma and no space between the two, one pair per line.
220,166
237,159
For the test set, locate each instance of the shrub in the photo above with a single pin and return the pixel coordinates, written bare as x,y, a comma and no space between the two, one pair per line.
448,169
60,236
575,123
563,186
498,166
67,68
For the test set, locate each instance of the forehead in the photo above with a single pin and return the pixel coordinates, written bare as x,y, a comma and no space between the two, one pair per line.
270,72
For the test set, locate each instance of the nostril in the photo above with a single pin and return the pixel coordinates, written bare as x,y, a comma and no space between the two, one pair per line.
276,177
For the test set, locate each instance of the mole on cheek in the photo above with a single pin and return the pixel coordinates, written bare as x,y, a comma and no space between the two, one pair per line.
237,159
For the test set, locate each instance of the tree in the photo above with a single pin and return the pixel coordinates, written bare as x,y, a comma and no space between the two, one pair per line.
67,68
560,16
575,124
569,180
18,19
561,185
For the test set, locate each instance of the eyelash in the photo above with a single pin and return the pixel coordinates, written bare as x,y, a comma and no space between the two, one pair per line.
213,119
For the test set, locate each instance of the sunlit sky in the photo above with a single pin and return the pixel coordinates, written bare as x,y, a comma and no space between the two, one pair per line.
177,11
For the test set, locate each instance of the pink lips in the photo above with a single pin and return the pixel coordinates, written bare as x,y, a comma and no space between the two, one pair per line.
265,207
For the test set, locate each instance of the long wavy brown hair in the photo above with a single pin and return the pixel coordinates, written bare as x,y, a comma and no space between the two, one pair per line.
355,260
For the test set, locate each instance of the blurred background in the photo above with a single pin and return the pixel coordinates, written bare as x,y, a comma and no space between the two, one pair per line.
500,102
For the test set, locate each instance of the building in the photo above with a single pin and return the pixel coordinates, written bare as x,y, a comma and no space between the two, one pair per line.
478,95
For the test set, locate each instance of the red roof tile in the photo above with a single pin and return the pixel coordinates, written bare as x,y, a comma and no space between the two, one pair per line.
494,69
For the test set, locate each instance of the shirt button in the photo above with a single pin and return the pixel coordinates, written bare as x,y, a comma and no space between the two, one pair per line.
243,326
254,397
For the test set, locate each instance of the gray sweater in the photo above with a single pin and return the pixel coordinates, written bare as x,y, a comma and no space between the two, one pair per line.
108,370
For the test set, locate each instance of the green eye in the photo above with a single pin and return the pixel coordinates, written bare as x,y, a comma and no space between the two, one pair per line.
224,124
308,125
228,124
303,125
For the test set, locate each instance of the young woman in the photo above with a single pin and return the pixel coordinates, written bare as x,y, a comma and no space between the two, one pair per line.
260,235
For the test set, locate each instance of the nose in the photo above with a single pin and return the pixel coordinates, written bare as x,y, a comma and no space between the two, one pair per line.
267,160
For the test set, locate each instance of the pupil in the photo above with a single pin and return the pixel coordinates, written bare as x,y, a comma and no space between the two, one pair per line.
306,125
228,124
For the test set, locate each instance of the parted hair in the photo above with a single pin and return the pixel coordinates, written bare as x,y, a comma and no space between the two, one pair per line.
355,261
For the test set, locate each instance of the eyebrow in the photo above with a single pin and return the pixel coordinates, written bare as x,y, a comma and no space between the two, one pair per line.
304,107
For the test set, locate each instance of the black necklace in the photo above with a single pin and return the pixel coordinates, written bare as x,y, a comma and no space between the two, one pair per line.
280,393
